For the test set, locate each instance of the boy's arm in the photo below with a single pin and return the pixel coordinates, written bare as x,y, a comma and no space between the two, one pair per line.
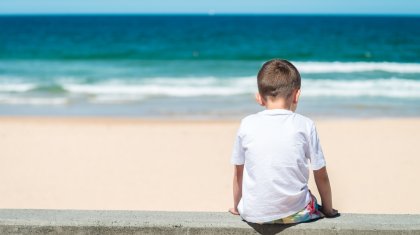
323,184
237,188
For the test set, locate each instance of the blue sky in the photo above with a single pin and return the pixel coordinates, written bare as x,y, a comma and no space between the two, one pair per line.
399,7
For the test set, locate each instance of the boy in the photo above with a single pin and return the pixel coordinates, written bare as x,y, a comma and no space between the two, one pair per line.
271,154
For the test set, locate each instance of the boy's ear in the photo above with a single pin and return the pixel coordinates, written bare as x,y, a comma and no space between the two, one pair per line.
259,99
296,97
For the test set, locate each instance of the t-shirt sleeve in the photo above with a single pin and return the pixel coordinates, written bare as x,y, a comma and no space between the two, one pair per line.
316,155
238,153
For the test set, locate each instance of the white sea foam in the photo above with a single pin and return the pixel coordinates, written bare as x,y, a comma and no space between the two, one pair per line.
392,88
167,87
32,100
116,99
16,87
351,67
115,92
155,90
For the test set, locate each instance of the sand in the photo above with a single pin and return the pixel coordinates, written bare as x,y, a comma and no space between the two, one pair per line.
131,164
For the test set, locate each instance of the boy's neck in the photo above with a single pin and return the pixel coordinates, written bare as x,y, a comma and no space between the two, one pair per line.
278,103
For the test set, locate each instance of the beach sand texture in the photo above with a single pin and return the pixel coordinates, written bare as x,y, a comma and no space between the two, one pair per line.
132,164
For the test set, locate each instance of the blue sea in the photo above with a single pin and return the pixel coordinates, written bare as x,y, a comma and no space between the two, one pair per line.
205,66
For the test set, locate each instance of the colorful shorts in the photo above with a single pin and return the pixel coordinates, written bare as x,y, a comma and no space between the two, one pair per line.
310,212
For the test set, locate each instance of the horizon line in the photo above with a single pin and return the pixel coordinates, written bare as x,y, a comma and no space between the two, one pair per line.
205,14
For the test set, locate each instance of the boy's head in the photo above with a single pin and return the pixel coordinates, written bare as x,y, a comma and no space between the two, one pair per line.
278,79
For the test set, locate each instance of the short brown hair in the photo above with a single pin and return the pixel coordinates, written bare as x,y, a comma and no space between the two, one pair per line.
278,78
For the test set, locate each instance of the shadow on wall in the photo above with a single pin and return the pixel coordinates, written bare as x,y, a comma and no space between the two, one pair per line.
271,229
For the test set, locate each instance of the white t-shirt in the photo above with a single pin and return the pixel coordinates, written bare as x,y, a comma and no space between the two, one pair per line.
275,147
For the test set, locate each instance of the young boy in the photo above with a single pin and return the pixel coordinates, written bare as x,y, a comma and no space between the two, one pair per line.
271,154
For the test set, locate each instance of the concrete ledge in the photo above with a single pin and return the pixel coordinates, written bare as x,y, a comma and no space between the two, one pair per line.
17,221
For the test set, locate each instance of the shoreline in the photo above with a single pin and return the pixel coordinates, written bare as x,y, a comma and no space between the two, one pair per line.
141,119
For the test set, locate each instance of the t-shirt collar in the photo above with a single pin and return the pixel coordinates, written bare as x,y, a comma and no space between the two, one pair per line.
276,111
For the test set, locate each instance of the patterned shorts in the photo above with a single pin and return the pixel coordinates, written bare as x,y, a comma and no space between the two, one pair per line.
310,212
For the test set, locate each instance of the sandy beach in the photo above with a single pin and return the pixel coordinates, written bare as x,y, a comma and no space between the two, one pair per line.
133,164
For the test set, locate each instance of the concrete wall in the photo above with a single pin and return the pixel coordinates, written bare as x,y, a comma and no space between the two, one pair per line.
14,221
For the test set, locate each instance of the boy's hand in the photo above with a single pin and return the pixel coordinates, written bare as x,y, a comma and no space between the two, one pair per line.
330,214
234,211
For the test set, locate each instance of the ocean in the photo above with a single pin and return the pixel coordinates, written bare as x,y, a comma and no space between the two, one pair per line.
205,66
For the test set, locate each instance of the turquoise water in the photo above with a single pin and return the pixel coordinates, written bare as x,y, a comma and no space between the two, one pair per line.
205,66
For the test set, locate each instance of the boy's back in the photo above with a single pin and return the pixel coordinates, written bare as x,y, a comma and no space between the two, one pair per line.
275,146
272,152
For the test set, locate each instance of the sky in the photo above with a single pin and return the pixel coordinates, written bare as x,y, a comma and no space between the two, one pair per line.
387,7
